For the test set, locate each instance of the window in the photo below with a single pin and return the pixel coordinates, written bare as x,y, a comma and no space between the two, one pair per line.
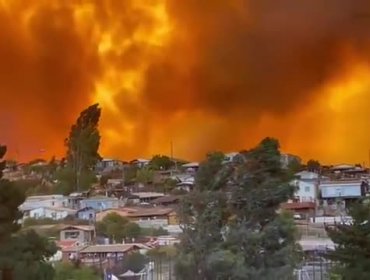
71,234
307,189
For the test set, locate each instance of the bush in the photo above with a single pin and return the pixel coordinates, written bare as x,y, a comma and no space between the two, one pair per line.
37,222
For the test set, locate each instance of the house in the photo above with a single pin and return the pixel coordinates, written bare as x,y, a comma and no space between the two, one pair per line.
140,163
145,217
108,163
338,195
100,203
55,213
187,185
146,197
33,202
343,189
81,234
185,182
153,217
166,240
87,214
191,167
306,184
74,200
102,256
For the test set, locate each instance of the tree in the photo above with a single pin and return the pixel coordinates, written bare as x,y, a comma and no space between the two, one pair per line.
295,166
239,235
135,262
113,226
27,254
313,165
352,243
2,162
203,214
160,162
22,255
64,271
83,143
144,175
131,231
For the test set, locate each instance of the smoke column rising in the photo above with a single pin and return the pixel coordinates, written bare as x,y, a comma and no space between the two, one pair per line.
205,74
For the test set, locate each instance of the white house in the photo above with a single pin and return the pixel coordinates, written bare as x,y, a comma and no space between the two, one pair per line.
33,202
55,213
306,184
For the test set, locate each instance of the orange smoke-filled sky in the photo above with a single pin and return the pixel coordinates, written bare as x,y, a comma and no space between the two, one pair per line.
206,75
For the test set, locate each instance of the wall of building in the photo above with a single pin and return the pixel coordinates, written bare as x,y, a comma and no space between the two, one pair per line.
100,205
47,201
306,191
87,215
42,213
340,191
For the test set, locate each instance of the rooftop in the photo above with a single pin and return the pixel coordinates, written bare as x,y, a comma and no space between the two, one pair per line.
155,211
61,209
101,198
147,194
112,248
79,227
166,199
63,244
298,205
346,183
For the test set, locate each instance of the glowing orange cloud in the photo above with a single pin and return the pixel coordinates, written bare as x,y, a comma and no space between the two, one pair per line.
214,75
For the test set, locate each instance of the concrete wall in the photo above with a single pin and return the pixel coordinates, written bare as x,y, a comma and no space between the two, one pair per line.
306,190
41,213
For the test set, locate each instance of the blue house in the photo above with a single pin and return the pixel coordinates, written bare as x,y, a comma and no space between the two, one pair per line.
87,214
100,203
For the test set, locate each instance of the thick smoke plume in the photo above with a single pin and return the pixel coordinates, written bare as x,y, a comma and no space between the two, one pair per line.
204,74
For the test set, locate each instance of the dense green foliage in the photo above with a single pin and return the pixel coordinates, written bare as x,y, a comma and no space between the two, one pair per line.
232,229
313,165
160,162
22,255
135,262
83,145
117,228
144,175
64,271
352,243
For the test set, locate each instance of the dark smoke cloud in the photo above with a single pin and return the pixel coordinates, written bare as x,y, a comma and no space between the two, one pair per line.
46,75
258,56
227,61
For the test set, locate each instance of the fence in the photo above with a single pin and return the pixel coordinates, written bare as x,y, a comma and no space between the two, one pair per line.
314,267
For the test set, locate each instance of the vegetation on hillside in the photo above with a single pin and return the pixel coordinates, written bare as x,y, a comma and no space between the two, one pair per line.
22,254
352,243
231,226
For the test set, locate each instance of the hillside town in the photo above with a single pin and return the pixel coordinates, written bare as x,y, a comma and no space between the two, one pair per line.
147,192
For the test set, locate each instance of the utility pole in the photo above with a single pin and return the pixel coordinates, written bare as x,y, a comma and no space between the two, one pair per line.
172,158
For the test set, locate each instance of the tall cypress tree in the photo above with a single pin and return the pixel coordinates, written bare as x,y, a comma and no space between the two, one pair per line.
83,143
